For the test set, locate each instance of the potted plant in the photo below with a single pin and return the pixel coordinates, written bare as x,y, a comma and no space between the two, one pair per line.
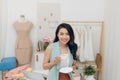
89,72
46,41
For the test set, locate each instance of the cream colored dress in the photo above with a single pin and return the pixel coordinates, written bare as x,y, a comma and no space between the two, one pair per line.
23,48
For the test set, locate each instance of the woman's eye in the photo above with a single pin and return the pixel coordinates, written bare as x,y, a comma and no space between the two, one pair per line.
61,34
67,33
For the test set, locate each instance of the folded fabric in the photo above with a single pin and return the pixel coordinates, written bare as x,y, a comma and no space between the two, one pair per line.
17,72
33,75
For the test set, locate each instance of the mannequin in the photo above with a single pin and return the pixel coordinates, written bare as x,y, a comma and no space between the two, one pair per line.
23,48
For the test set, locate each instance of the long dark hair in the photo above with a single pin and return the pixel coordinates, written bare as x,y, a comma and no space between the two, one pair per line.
71,44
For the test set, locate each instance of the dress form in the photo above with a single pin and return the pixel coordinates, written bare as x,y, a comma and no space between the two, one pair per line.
23,48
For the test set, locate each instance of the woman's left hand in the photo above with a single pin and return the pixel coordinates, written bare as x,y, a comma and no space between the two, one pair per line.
74,65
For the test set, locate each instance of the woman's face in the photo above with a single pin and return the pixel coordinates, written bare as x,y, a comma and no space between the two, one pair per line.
63,36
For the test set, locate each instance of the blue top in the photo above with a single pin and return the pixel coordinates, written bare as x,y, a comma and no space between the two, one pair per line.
54,71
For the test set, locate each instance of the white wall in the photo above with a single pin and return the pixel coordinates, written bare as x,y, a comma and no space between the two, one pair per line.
83,10
80,9
112,41
0,25
3,26
0,9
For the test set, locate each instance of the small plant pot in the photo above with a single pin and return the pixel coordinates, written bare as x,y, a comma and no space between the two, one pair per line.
90,77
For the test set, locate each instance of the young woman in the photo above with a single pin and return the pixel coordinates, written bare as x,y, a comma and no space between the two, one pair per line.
61,53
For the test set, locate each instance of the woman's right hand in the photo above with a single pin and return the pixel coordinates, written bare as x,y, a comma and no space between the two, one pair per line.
56,60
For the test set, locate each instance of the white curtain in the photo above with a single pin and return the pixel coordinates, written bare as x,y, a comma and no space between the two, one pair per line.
3,26
111,69
0,27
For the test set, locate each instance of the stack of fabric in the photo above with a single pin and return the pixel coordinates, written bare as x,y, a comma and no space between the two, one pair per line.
17,73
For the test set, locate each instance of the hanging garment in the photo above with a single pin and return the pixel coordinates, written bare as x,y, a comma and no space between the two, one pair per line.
89,55
77,36
86,47
82,44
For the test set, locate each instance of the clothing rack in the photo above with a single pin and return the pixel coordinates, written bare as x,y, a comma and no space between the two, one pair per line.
101,48
90,24
84,23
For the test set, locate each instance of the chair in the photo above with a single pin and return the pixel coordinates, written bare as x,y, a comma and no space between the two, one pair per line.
7,63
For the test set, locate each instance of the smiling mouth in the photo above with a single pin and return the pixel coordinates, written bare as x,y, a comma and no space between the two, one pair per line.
64,40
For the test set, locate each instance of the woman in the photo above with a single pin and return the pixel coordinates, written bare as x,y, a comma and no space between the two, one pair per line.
63,46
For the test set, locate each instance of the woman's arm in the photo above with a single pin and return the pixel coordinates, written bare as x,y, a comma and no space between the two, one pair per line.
46,62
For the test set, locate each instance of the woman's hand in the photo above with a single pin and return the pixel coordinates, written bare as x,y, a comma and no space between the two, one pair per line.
74,65
56,60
